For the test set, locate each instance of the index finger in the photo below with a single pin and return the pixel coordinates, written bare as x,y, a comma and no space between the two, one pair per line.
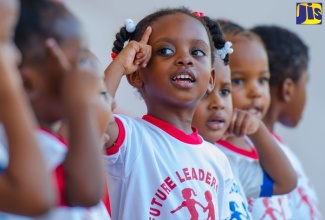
146,35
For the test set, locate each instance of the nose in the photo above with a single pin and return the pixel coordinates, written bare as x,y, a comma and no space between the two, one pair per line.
184,59
254,90
215,101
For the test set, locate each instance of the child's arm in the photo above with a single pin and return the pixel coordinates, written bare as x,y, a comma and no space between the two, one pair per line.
83,165
25,185
134,56
271,157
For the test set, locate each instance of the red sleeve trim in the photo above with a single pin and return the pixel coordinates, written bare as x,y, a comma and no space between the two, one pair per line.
61,184
120,138
251,154
276,137
106,201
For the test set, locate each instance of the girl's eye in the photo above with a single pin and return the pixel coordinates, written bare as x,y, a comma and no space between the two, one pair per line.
237,81
198,53
263,80
225,92
165,51
103,93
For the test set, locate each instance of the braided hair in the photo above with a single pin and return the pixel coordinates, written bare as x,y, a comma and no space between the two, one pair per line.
232,29
215,35
288,54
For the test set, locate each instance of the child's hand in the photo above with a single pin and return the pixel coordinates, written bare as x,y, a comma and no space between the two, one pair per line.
135,54
75,84
58,66
9,74
242,123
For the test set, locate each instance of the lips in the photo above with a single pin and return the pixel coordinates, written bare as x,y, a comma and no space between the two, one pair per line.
216,122
256,111
183,78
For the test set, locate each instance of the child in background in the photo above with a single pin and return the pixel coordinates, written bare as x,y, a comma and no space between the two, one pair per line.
214,117
159,162
61,88
250,91
288,63
25,184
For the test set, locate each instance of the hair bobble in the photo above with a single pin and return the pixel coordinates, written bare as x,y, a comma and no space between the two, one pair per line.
129,25
225,50
198,14
113,55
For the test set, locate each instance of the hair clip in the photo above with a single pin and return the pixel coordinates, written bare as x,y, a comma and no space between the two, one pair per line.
225,50
113,55
198,14
129,25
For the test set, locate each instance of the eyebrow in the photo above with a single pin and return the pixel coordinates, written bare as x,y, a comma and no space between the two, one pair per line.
169,40
243,72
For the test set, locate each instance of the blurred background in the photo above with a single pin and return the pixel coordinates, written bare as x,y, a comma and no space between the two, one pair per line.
103,18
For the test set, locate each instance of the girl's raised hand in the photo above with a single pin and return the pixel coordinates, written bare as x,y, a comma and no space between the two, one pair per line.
243,123
135,54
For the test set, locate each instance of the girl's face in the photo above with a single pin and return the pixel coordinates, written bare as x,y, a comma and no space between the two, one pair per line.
291,115
179,70
104,114
106,103
213,113
250,76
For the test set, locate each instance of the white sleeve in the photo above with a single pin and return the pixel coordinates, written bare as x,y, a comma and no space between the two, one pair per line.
122,155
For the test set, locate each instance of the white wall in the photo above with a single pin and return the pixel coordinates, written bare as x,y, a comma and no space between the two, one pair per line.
104,18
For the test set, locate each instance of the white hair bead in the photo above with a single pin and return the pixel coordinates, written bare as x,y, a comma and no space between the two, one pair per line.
129,25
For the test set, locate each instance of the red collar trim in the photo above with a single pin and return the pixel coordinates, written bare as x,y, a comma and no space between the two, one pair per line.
193,138
62,140
276,137
251,154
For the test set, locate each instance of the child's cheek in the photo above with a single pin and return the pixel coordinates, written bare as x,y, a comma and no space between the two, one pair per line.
103,116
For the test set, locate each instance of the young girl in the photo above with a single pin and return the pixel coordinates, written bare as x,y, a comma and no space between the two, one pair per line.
153,160
214,117
250,92
25,185
288,62
60,88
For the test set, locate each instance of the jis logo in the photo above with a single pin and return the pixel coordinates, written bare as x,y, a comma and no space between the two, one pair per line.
309,13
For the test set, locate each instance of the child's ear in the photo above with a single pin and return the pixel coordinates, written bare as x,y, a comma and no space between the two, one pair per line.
287,90
135,79
211,81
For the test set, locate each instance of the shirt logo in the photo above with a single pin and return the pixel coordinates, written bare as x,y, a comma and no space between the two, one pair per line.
309,13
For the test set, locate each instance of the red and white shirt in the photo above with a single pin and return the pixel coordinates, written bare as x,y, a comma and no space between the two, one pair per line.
303,199
54,150
252,180
156,171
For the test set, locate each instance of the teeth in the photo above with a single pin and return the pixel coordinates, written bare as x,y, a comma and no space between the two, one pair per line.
183,77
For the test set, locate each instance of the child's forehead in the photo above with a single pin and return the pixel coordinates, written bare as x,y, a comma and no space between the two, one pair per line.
178,25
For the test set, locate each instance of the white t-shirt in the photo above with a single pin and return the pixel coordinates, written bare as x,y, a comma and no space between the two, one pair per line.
156,171
303,199
252,180
54,151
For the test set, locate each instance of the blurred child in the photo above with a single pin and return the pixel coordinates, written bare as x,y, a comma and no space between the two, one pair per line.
61,88
288,63
25,184
214,117
159,163
250,91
